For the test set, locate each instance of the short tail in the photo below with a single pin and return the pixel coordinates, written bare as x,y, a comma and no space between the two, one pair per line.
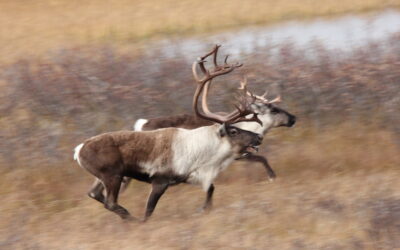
76,153
139,124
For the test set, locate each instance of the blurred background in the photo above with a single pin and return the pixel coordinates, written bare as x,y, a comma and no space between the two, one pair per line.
73,69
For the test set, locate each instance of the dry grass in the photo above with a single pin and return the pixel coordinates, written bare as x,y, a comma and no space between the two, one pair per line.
336,190
33,27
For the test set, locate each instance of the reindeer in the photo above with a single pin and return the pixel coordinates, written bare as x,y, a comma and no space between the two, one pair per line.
169,156
270,115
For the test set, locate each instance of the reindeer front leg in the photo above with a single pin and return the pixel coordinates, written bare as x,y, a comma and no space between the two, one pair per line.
261,159
208,203
157,190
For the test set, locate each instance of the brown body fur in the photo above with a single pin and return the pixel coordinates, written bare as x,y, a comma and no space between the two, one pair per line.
178,121
119,152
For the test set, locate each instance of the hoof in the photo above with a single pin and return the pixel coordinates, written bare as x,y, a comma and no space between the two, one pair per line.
143,220
204,210
271,178
129,218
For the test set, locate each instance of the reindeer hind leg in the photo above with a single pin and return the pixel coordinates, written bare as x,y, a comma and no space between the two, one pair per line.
112,185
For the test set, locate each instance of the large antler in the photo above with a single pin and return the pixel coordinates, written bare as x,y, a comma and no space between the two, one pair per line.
243,86
203,85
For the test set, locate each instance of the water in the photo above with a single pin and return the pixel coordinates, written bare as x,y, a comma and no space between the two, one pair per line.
345,33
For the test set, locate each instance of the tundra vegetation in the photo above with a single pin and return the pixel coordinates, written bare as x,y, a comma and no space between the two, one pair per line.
338,168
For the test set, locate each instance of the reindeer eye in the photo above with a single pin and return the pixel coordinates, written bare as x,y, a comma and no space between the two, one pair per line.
233,131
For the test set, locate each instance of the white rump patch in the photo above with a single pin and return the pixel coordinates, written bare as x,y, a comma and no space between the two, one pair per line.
76,154
139,124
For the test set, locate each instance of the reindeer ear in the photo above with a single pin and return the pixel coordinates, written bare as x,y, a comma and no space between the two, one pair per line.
222,130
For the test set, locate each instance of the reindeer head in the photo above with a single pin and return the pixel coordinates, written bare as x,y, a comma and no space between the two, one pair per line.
267,110
246,141
240,139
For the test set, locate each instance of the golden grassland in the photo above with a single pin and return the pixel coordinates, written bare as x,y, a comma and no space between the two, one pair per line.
33,27
336,189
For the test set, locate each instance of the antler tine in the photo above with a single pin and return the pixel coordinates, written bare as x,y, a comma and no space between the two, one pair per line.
265,94
215,56
243,83
277,99
266,101
246,92
226,59
243,86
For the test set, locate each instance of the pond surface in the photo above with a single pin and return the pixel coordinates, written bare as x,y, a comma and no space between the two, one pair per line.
344,32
